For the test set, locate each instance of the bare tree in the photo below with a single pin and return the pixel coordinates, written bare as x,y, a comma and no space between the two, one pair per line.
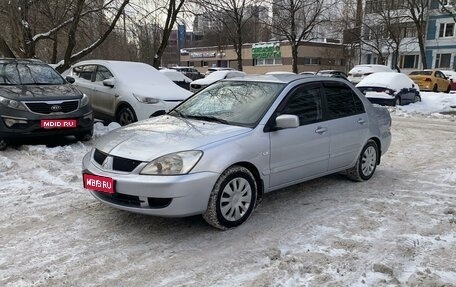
418,12
232,17
32,22
448,7
295,20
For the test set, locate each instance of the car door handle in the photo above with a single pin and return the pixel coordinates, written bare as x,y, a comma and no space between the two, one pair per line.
361,121
321,130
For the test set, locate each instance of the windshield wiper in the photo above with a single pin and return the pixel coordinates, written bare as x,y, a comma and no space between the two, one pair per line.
208,119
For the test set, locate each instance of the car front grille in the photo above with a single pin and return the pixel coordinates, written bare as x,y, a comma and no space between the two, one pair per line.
49,108
118,163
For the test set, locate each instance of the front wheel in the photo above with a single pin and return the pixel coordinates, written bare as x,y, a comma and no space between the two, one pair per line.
232,199
83,137
448,89
3,144
366,164
126,116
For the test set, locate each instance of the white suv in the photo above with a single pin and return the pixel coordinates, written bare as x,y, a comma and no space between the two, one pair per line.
359,72
126,91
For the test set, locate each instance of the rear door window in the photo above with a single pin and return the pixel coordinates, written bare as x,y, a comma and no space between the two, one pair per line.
341,100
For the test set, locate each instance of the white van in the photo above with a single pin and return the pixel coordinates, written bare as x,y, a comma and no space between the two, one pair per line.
359,72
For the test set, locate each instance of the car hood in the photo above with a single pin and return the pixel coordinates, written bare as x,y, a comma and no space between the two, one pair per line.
155,137
166,91
40,92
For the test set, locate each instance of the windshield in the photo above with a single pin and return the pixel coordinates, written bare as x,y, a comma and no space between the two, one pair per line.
232,102
28,74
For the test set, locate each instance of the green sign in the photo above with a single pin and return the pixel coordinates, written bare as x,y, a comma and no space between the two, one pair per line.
266,51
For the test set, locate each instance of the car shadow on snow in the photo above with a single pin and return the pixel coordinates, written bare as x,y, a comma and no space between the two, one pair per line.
50,142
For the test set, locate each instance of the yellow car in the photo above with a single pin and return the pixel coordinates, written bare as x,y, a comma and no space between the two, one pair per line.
431,80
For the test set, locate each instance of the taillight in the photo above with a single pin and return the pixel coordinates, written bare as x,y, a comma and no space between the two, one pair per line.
427,80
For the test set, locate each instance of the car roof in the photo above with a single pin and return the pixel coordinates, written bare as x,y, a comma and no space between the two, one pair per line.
21,61
276,78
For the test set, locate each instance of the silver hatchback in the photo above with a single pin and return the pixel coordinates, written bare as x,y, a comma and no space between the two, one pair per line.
218,152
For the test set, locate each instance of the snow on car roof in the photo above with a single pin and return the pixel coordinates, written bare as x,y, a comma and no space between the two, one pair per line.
390,80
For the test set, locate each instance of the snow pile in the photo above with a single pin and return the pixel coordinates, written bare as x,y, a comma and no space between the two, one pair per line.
431,104
99,129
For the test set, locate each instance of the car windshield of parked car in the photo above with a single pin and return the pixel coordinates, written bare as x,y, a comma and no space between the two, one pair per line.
240,103
427,73
28,74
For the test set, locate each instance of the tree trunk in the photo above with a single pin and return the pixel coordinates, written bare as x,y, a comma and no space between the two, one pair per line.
294,57
422,50
54,50
239,46
5,49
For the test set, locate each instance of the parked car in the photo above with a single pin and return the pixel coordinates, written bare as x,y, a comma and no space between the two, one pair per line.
126,91
35,101
215,69
189,72
218,152
200,84
451,75
431,80
332,73
359,72
386,88
178,78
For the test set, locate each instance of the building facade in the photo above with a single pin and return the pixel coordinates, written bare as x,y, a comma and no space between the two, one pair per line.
260,58
378,41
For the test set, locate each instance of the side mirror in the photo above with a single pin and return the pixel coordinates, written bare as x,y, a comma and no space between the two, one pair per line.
109,82
287,122
70,79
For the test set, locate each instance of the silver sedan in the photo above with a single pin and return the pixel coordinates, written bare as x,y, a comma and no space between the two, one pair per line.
218,152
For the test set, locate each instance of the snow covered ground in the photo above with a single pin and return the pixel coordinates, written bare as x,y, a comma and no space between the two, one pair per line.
398,229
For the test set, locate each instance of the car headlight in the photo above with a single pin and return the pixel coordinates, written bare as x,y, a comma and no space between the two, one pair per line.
84,100
12,104
173,164
146,100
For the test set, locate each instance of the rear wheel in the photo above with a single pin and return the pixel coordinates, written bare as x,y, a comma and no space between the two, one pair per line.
448,89
366,164
233,198
435,89
398,101
126,116
417,98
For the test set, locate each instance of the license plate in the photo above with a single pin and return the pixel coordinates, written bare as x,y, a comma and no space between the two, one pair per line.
98,183
58,124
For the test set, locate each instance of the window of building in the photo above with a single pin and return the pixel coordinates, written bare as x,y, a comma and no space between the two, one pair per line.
311,61
409,61
204,64
443,61
446,30
267,62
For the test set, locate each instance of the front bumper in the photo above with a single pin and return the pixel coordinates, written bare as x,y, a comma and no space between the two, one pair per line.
30,125
167,196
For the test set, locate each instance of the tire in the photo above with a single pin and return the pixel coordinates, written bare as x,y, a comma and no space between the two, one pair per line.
3,144
126,116
84,136
435,89
417,98
398,101
366,164
448,90
240,182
